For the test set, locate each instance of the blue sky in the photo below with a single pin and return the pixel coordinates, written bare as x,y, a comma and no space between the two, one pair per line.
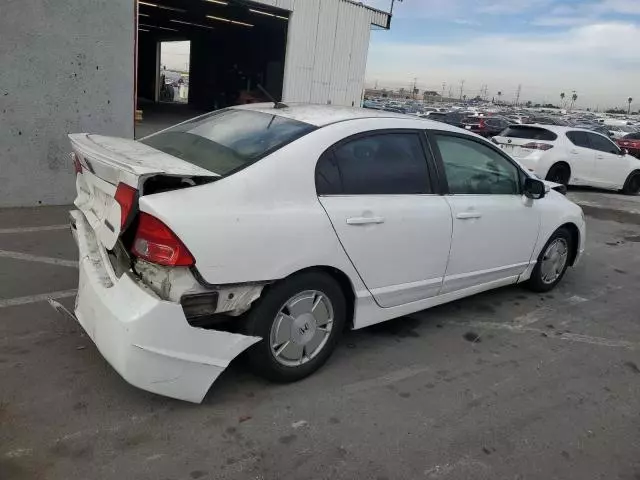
547,46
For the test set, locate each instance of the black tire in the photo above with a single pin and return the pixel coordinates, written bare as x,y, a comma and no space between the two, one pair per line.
262,316
536,283
559,173
632,185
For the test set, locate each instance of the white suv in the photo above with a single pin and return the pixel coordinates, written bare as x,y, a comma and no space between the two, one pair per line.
571,156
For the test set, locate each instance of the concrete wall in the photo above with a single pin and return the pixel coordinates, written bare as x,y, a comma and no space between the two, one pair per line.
65,66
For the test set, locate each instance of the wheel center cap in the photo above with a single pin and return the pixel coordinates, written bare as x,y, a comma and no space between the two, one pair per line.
303,329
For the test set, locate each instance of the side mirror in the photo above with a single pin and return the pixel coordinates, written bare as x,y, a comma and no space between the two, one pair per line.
534,189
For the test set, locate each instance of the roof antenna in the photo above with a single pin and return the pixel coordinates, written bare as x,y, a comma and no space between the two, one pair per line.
276,104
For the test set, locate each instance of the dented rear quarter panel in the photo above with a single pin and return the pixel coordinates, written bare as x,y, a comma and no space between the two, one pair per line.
262,223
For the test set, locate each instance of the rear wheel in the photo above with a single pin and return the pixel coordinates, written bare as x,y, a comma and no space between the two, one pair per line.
559,173
632,185
300,321
553,262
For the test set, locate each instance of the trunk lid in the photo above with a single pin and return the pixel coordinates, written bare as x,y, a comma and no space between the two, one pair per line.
515,137
105,162
513,146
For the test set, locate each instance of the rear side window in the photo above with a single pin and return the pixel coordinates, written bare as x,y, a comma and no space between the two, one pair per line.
579,139
228,140
386,163
529,133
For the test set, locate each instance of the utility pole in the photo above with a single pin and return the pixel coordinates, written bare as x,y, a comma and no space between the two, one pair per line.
376,85
413,89
450,91
461,88
442,97
518,94
483,91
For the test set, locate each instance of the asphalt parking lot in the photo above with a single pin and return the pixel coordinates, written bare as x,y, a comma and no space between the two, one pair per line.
504,385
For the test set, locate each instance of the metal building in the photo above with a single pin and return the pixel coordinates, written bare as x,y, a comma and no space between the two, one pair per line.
87,65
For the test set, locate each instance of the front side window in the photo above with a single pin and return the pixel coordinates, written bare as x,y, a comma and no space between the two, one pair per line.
385,163
228,140
475,169
602,144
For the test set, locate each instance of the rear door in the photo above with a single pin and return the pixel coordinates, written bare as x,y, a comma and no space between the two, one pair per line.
376,189
581,157
495,227
610,167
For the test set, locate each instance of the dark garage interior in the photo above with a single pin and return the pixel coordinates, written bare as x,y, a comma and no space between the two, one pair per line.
235,46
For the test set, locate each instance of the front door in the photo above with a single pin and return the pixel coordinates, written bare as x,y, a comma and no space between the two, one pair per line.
376,190
610,168
495,227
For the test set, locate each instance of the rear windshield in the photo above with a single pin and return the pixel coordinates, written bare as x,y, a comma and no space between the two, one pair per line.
632,136
228,140
529,133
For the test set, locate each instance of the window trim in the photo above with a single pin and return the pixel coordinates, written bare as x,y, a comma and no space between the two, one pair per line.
427,155
442,176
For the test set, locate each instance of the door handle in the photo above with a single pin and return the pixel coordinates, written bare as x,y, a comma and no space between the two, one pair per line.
575,152
599,157
468,215
365,220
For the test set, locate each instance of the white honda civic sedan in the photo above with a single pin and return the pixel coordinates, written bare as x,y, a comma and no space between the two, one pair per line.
272,228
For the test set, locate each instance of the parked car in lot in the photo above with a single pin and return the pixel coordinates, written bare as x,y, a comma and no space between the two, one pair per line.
572,156
485,126
619,131
435,116
454,118
630,142
271,229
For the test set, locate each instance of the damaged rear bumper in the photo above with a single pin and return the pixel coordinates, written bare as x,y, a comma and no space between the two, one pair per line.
147,340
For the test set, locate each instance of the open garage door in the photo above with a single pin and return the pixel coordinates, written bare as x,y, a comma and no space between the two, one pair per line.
234,45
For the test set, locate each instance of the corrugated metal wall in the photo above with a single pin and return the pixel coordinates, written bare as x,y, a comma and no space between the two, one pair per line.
327,50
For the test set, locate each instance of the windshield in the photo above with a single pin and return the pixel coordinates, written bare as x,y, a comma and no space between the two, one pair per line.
228,140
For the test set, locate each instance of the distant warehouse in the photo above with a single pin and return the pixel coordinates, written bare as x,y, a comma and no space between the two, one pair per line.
88,65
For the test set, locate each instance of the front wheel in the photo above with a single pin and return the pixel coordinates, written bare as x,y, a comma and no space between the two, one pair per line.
552,263
300,320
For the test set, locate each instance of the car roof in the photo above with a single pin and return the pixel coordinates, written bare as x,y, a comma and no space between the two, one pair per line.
322,115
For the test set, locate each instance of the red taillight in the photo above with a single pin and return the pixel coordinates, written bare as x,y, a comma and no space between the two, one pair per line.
538,146
156,243
126,198
482,124
77,166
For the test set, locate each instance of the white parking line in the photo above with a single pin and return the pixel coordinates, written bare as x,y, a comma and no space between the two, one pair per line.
387,379
44,228
36,258
571,337
11,302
